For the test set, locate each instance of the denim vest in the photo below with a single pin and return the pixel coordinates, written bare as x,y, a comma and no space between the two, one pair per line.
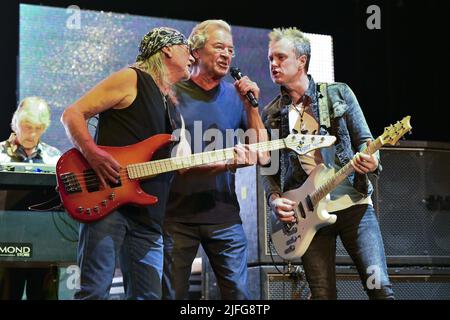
347,124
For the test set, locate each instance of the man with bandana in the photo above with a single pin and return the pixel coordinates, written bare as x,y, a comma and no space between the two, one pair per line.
133,104
29,122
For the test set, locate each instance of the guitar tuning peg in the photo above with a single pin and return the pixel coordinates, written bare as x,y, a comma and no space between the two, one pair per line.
403,137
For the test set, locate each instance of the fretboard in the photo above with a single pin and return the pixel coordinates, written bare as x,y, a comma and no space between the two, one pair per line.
339,176
151,168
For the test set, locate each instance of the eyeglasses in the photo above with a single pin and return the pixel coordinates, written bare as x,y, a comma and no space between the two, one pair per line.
222,49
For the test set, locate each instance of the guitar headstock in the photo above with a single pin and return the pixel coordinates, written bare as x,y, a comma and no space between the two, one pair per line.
304,143
395,131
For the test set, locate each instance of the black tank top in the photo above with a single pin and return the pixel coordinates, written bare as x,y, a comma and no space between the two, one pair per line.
145,117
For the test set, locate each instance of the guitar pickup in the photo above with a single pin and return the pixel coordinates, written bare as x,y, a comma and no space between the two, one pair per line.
115,184
309,203
302,210
91,180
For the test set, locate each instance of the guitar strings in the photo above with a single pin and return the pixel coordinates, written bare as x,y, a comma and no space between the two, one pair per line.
91,179
171,161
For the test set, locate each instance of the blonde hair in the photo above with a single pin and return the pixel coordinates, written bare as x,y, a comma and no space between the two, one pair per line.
155,66
33,109
302,45
200,33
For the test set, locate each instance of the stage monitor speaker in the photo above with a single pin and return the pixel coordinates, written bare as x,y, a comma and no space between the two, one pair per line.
408,283
412,197
254,211
267,283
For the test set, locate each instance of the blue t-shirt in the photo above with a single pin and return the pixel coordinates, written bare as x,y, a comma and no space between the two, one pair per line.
207,199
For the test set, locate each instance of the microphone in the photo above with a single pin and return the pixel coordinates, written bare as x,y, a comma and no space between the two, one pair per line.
236,74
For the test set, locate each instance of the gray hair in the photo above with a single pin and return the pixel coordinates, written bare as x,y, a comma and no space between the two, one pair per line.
302,45
33,109
199,34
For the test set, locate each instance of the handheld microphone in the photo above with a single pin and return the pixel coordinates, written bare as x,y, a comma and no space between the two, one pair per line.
236,74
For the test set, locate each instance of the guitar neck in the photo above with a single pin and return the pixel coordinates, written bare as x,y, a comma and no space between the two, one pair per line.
151,168
342,174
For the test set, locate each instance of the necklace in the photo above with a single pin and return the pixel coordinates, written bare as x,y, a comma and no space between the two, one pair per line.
300,125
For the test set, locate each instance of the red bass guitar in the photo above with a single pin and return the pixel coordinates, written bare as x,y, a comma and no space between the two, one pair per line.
86,199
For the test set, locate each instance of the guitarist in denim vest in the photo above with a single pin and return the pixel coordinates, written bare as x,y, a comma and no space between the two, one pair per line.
300,108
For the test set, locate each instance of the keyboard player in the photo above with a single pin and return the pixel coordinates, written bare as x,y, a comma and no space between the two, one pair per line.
30,120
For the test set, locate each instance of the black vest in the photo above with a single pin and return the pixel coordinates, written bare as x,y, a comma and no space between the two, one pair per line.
145,117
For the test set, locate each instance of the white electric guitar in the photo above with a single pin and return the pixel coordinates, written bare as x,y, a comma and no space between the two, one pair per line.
291,240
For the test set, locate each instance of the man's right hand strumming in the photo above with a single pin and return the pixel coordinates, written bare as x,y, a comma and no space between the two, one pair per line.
283,208
104,165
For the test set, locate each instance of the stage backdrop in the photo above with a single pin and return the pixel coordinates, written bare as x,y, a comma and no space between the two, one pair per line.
64,52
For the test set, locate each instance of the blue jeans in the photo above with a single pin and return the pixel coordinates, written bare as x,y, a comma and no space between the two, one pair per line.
360,233
135,241
226,248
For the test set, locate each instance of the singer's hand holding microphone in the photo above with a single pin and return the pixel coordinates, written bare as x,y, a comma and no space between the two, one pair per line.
246,88
249,92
